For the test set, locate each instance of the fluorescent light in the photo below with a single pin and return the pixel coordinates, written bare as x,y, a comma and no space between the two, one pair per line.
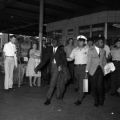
116,25
1,33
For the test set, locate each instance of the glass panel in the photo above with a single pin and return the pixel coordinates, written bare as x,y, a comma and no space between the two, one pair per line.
113,32
84,30
55,34
98,30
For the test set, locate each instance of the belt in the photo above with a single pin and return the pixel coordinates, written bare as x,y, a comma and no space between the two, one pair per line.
77,65
9,56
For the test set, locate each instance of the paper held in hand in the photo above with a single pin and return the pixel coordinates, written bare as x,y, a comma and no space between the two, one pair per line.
69,59
26,59
109,67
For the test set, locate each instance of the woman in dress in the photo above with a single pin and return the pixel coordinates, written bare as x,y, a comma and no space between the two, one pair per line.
34,60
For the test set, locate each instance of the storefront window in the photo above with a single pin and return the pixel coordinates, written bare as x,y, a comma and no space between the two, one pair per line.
55,34
113,32
98,30
84,30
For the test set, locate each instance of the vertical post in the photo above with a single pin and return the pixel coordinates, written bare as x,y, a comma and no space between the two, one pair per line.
90,31
106,31
41,25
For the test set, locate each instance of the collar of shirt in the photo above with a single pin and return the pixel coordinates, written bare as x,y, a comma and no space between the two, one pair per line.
97,49
44,46
78,48
79,56
55,49
10,43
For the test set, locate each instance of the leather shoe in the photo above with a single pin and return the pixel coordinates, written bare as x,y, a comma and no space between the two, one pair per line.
47,102
76,89
102,103
12,89
78,102
96,105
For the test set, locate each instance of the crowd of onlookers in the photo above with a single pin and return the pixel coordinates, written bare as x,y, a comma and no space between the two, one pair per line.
85,60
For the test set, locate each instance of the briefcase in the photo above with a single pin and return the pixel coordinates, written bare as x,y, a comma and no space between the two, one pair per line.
85,84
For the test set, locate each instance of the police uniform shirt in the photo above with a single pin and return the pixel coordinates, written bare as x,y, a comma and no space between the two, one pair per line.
79,55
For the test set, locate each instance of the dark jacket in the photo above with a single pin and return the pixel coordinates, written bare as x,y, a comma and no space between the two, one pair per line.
59,56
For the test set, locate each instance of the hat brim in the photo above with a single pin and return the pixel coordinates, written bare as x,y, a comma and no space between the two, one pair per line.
81,39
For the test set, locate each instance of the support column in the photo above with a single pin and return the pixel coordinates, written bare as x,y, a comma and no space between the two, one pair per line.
106,31
41,24
90,31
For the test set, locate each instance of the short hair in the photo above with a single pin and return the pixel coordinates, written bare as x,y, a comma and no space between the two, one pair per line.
35,43
12,36
55,39
96,39
68,40
90,39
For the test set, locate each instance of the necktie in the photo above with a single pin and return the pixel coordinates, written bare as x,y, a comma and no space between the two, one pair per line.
54,50
99,51
54,55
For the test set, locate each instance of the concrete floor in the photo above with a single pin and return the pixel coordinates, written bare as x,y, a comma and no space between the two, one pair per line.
27,104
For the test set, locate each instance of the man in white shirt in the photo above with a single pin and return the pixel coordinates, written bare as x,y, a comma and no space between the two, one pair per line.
79,55
10,60
68,49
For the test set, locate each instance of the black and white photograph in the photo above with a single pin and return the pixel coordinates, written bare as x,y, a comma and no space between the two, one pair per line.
60,60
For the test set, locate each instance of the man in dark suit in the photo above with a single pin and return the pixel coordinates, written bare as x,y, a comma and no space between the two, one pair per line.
57,59
44,71
95,67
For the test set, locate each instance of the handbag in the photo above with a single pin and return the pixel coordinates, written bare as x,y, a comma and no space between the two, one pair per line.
85,84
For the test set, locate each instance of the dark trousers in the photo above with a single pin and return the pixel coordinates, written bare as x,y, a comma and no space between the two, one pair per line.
71,70
107,82
79,76
45,75
89,84
97,86
115,77
54,83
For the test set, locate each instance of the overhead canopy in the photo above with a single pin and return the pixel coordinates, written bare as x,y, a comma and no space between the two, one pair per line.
22,16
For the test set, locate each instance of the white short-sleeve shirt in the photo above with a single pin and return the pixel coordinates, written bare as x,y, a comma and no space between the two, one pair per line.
9,49
79,55
107,49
